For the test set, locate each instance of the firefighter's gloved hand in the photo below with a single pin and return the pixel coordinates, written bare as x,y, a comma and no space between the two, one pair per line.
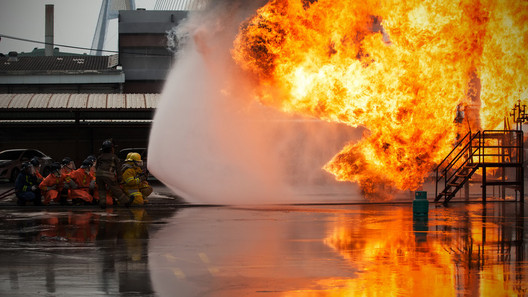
66,186
73,185
92,184
34,188
52,187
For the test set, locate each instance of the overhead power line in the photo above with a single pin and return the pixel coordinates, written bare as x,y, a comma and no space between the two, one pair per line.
79,47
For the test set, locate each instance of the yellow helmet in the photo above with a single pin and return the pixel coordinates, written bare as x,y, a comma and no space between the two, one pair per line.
133,157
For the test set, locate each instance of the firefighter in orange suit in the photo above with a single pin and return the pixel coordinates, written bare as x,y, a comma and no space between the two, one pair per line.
81,182
52,185
133,177
67,166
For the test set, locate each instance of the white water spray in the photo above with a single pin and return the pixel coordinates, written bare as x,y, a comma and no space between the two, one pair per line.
211,142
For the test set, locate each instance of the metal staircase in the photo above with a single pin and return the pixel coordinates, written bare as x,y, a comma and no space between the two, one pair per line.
500,150
457,167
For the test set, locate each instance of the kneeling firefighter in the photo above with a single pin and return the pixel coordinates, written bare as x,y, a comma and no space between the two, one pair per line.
26,186
36,164
81,183
52,185
134,180
107,174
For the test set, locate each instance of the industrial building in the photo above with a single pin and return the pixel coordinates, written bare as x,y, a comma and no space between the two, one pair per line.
60,74
75,125
143,51
67,104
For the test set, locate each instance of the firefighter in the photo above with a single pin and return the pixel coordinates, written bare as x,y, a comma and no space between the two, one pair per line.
459,120
36,164
26,186
459,114
145,188
81,182
107,174
52,185
67,166
109,200
134,178
92,159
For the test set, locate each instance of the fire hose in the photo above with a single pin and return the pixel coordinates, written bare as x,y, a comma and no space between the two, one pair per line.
7,193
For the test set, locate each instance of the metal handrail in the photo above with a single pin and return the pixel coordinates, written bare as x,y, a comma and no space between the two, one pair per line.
457,157
516,147
470,149
439,164
461,152
467,147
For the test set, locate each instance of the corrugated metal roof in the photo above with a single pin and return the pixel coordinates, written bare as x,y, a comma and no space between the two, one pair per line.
56,101
79,101
62,63
21,101
115,101
135,101
5,99
40,100
96,101
151,100
40,52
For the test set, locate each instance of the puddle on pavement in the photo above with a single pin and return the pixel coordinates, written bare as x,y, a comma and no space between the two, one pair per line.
76,253
327,250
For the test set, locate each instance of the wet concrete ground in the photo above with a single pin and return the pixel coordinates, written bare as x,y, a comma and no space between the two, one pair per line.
169,249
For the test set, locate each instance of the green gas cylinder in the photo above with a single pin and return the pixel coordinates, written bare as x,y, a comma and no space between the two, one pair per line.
420,204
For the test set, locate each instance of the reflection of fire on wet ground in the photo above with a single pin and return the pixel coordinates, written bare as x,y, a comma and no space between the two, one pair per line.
453,246
316,250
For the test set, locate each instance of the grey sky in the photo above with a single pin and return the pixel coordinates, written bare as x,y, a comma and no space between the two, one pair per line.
75,22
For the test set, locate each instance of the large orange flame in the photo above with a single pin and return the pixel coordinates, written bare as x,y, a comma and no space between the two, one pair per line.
398,68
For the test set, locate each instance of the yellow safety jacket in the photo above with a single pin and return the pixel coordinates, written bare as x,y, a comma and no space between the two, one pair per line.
131,182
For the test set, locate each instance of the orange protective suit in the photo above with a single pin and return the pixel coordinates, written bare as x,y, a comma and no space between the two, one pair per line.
65,170
51,187
39,176
82,180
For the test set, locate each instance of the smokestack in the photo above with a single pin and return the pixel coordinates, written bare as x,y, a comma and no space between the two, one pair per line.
48,38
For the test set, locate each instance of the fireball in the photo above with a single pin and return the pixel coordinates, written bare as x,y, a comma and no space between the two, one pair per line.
399,69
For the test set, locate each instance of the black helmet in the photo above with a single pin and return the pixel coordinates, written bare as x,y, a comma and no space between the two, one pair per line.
35,161
91,158
66,161
86,163
55,166
26,165
107,146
